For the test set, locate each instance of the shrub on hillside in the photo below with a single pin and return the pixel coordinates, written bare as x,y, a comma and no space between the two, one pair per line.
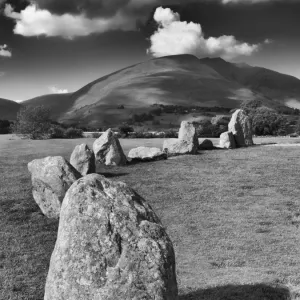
33,122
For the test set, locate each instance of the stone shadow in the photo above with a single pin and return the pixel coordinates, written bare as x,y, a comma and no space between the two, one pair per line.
240,292
112,175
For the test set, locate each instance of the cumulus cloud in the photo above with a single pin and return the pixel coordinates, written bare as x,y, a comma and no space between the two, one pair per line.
55,90
4,51
176,37
33,21
71,18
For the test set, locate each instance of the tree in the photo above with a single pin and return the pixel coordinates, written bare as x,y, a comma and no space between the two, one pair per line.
266,121
33,122
125,129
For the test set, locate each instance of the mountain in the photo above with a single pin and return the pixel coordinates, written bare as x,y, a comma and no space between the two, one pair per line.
8,109
182,80
275,86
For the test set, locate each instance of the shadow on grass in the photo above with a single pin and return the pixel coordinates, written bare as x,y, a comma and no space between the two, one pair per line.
240,292
112,175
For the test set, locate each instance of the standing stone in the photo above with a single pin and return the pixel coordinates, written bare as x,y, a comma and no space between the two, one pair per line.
227,140
146,154
206,145
175,147
51,178
241,127
187,132
83,160
108,150
110,246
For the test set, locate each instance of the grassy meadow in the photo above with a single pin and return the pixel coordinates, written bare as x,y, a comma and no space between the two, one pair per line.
233,217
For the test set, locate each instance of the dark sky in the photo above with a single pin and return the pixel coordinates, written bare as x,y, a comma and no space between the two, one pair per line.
64,44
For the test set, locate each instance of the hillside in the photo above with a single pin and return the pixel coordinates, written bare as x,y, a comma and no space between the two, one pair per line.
8,109
273,85
182,80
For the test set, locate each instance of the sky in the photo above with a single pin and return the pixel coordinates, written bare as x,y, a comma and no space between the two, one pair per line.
58,46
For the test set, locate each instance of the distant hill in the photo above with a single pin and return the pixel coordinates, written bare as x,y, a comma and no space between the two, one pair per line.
8,109
173,80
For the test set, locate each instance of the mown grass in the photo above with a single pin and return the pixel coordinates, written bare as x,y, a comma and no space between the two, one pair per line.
233,217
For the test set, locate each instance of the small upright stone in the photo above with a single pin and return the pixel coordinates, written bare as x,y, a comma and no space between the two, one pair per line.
227,140
241,127
110,246
187,132
51,178
83,160
108,150
206,145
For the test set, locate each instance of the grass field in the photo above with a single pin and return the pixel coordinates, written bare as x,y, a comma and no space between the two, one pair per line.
233,217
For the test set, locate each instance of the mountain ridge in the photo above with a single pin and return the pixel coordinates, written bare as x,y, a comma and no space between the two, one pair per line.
182,80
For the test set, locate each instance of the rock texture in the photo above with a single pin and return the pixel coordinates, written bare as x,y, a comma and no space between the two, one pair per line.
206,145
146,154
227,140
51,178
110,246
187,132
175,147
240,126
108,150
83,160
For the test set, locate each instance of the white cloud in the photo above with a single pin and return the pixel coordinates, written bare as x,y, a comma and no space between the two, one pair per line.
33,21
4,51
175,37
55,90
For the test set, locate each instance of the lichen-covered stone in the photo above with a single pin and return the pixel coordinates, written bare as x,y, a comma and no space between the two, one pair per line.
175,147
146,154
187,132
241,127
108,150
227,140
110,246
51,178
83,160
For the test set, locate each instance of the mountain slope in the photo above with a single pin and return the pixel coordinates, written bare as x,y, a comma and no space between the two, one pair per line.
8,109
174,80
273,85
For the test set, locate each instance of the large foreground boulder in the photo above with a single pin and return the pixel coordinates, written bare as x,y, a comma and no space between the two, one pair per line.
83,160
241,127
175,147
227,140
146,154
187,132
110,246
108,150
51,178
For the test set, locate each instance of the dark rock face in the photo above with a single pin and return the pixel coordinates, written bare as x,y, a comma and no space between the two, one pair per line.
146,154
108,150
241,127
83,160
110,246
51,178
206,145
